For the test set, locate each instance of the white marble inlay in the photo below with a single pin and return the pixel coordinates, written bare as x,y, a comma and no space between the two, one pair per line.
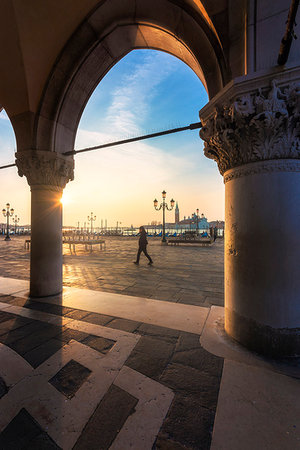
175,316
142,427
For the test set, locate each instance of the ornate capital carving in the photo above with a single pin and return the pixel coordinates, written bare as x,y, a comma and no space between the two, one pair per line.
260,125
45,169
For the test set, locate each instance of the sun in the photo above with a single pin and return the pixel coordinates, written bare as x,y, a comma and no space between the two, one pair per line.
65,199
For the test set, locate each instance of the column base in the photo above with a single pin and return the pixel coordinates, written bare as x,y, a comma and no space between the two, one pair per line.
268,341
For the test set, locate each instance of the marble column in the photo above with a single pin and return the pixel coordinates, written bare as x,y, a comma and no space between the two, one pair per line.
47,174
252,131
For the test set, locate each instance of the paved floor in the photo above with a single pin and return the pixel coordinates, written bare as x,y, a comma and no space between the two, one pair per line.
97,369
184,274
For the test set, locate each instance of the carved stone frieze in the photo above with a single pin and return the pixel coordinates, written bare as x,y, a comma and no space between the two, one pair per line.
258,126
271,166
43,168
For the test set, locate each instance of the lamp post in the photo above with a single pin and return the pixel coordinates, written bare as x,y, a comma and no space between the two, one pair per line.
16,220
8,212
164,206
91,219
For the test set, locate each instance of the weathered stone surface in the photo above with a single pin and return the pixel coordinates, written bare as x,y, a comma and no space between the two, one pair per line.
150,356
190,381
69,379
47,307
107,420
123,324
98,343
38,337
188,424
23,432
3,388
13,323
187,341
69,334
163,443
39,354
25,328
200,359
159,332
98,319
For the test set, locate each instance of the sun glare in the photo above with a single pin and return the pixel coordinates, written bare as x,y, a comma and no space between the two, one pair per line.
65,199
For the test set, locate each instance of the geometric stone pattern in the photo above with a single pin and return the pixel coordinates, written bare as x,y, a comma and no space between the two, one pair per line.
93,376
171,357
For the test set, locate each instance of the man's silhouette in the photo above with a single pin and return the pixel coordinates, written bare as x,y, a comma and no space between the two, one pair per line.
143,247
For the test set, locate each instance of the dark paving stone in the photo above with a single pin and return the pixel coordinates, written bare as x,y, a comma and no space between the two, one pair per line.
23,433
39,354
168,444
200,359
25,329
190,381
187,341
68,334
4,316
33,340
100,344
77,314
42,442
107,420
155,348
98,319
150,356
159,332
188,424
69,379
123,324
11,324
19,301
58,310
3,388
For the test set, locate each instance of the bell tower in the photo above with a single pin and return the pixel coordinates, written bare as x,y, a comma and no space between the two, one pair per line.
176,213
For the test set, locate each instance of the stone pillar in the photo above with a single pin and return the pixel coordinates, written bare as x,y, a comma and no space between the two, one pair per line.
252,131
47,174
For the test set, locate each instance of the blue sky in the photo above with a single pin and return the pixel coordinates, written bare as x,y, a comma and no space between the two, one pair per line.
146,91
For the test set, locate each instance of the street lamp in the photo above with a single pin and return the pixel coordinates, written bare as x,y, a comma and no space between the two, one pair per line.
197,218
16,220
164,206
91,219
8,212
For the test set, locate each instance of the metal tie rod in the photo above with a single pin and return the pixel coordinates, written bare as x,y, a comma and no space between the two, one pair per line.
192,126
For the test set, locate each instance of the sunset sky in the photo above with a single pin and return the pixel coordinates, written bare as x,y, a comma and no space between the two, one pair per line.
147,91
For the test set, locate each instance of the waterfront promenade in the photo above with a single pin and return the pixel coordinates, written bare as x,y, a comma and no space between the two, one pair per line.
186,274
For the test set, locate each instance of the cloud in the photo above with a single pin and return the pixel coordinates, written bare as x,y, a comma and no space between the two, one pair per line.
3,115
131,98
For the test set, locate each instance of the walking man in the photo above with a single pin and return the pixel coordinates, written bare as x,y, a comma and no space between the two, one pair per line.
143,247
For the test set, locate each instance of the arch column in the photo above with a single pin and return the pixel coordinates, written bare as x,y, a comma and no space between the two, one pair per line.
47,174
252,131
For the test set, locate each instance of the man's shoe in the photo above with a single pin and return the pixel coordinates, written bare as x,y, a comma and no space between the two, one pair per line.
150,263
135,262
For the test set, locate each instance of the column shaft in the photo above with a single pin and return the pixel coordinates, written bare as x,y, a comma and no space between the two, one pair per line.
262,248
46,242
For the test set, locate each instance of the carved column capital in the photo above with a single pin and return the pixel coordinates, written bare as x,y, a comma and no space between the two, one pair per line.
260,123
44,169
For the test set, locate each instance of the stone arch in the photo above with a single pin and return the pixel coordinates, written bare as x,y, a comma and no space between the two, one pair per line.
105,37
